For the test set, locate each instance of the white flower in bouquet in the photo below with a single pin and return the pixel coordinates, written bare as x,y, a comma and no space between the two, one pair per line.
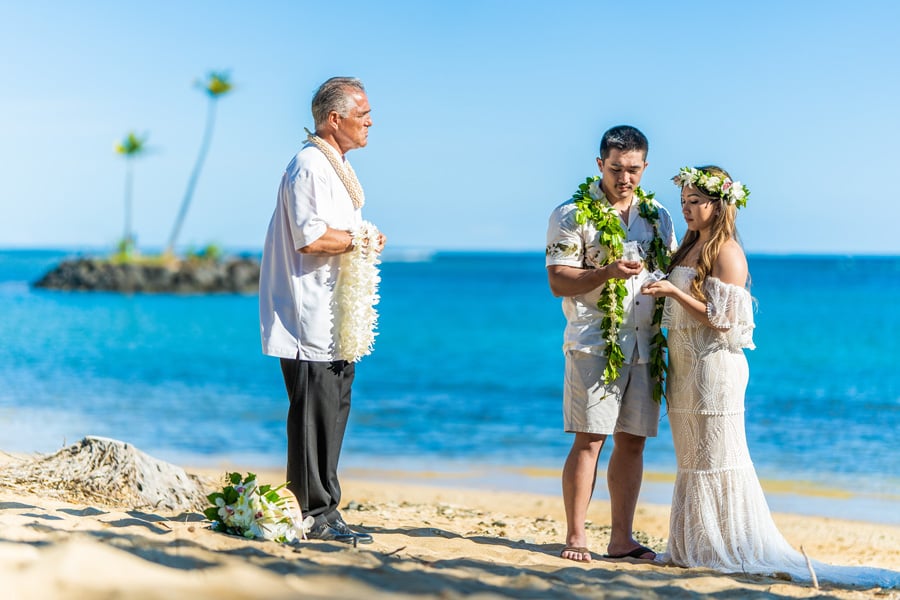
249,510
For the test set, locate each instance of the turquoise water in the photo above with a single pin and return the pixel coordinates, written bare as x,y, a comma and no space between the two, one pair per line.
467,371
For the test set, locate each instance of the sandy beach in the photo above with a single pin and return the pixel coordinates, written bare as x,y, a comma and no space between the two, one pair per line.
430,542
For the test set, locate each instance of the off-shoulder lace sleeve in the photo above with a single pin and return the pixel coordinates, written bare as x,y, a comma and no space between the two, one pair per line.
730,308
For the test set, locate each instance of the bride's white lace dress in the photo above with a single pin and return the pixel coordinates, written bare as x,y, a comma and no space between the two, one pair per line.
720,518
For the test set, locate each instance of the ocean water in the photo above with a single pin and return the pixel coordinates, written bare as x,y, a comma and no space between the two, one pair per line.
466,373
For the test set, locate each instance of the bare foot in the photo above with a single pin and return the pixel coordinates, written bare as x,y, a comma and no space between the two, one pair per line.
576,553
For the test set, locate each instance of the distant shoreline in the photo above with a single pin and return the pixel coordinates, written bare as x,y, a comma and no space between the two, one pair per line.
412,250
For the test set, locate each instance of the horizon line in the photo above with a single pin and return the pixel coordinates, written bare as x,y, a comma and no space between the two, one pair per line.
411,250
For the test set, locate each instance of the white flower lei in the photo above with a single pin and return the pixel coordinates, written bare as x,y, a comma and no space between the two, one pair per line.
732,192
357,295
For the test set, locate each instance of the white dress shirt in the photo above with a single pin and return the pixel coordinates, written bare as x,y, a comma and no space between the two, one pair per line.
296,291
574,245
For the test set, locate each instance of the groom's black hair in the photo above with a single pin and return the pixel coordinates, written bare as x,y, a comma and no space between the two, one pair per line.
623,138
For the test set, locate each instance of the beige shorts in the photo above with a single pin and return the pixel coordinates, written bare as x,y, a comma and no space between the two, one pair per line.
590,406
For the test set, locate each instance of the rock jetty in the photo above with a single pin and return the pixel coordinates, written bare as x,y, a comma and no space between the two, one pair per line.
190,276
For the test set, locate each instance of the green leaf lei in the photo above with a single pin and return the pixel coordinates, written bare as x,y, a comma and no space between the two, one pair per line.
612,237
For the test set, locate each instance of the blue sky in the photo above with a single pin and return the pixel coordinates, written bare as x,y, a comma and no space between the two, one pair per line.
486,114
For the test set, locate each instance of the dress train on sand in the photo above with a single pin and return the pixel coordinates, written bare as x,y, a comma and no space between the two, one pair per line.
720,518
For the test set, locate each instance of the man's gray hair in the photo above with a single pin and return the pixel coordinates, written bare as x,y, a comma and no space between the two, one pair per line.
336,94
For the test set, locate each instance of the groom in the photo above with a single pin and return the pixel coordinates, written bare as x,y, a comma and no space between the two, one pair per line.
594,409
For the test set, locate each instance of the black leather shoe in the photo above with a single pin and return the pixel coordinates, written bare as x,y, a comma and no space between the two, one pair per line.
341,527
328,533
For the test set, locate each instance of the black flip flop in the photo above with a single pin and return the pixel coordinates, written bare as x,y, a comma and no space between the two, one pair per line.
636,553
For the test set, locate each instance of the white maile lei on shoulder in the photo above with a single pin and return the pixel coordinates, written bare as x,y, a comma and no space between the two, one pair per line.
343,169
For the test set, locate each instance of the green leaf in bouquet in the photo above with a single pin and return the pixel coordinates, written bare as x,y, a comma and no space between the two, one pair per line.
231,495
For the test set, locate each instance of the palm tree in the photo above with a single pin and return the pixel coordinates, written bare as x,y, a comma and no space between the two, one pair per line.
216,85
131,147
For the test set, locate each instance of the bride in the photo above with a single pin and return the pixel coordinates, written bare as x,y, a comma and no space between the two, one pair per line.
719,518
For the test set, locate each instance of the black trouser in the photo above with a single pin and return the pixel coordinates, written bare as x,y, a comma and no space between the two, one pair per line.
320,404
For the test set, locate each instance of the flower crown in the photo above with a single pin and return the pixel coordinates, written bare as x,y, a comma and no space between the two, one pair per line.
732,192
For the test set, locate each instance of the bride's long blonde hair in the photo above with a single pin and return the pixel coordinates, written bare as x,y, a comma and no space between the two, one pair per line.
723,228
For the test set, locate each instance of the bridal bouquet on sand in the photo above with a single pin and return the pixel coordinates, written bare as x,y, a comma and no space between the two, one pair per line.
250,510
357,294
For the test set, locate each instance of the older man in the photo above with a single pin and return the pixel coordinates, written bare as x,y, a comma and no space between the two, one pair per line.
318,206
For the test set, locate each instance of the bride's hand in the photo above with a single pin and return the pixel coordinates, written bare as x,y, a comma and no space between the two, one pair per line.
659,288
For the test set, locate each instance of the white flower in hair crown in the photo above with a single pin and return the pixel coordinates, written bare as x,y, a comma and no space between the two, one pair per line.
732,192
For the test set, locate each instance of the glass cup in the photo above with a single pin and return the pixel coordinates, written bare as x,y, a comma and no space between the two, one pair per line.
631,251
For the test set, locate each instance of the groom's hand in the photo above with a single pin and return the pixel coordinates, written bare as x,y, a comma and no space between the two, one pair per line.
623,269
